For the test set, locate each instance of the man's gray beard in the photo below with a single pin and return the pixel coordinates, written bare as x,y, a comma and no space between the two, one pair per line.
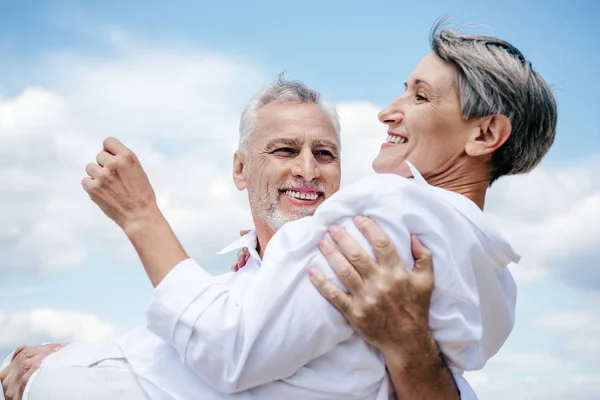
267,206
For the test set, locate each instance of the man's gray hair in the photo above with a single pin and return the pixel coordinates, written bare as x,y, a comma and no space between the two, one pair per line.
495,78
284,90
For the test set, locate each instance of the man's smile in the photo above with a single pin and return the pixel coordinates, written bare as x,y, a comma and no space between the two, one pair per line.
302,196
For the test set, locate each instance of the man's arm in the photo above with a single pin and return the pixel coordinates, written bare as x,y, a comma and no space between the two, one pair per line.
418,371
231,344
389,309
118,184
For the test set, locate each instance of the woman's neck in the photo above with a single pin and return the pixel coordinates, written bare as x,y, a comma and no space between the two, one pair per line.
468,179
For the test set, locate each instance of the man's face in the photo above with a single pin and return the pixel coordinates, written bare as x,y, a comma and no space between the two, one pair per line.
292,162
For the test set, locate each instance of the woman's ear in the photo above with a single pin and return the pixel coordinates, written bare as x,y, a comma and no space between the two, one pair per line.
492,132
239,170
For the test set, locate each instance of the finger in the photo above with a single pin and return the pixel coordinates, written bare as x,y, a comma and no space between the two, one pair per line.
422,256
50,348
236,266
242,258
93,170
330,291
346,273
114,146
23,355
383,248
104,158
32,367
242,263
87,183
360,260
244,232
17,351
27,376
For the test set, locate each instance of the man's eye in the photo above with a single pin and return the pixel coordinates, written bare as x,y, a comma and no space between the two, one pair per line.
284,151
324,155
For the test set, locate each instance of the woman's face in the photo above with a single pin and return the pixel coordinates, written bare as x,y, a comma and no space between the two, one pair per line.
425,125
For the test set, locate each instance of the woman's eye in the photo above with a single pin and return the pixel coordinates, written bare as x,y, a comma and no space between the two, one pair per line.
420,97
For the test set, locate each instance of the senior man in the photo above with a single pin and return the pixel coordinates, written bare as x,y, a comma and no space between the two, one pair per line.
294,137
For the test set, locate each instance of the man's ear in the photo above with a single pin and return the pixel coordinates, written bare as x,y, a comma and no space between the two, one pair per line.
491,132
239,170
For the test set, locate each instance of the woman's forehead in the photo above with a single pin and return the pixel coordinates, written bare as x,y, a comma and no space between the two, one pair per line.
435,72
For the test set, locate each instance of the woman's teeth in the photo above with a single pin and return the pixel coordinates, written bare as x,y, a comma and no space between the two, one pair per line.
396,139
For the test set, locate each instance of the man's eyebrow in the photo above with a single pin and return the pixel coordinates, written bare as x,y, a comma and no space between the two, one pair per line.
283,142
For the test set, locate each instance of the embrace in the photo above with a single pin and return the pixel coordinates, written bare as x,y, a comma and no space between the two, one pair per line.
390,287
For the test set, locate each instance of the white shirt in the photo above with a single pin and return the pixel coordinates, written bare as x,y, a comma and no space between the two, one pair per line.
266,333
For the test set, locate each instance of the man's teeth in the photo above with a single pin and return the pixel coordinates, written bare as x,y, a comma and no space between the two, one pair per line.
396,139
301,196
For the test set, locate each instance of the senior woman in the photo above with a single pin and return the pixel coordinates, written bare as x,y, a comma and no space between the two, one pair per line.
473,110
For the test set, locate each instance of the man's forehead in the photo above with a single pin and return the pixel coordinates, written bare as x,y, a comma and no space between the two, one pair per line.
296,124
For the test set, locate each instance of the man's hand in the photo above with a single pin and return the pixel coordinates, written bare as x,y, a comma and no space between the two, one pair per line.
26,360
119,186
388,305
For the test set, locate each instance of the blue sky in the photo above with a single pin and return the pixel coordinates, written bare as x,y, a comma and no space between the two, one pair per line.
358,55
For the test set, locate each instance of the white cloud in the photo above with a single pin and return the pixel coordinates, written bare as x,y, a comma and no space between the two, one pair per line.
533,376
579,335
178,109
552,217
42,325
362,135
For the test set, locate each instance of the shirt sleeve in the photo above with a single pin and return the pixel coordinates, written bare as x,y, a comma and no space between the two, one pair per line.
235,344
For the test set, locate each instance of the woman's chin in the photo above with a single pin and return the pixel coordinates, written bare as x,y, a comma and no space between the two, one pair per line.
383,165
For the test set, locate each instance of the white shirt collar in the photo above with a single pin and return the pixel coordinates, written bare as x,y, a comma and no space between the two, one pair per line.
249,240
462,204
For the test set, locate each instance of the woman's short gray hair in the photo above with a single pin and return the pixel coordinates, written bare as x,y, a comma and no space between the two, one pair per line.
495,78
284,90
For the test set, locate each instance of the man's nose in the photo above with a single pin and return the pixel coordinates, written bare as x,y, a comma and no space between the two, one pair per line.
306,167
393,113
